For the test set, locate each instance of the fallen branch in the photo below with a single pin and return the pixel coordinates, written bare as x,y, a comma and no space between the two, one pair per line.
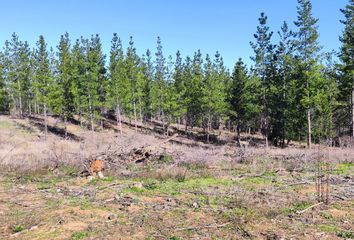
203,227
306,209
293,184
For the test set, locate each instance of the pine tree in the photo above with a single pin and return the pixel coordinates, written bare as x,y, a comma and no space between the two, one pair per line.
65,98
347,58
159,87
236,96
308,49
262,48
43,77
17,78
117,75
78,77
96,83
134,81
193,95
148,74
179,88
4,98
285,60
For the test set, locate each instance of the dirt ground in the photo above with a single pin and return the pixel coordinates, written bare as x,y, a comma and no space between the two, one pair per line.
191,190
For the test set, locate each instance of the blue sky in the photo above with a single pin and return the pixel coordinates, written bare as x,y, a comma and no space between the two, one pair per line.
185,25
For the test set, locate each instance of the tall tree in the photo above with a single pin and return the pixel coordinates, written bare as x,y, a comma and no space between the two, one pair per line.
78,77
308,49
347,58
43,77
179,87
159,89
4,98
285,60
135,81
262,47
148,73
236,96
117,78
96,80
65,99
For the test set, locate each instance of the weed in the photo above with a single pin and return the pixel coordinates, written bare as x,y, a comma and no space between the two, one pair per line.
344,169
18,228
175,238
345,234
298,206
328,228
79,235
165,159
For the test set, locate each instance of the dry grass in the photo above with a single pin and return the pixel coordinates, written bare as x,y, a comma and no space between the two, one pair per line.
186,193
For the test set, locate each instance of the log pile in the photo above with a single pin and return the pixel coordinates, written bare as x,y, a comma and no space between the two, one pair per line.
96,163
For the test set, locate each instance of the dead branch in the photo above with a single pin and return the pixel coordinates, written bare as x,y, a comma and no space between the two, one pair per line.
306,209
203,227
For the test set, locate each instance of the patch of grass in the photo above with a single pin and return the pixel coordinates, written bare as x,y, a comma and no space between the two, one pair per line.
175,238
298,206
150,184
328,228
193,165
345,234
344,169
17,228
327,216
45,185
166,159
69,170
79,235
83,202
53,204
174,187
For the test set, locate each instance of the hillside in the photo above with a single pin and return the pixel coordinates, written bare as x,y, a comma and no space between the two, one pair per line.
188,190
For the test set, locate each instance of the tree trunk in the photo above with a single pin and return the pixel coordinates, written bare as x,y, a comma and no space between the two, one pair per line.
353,109
119,120
45,119
238,143
65,126
91,114
19,97
309,128
208,128
135,119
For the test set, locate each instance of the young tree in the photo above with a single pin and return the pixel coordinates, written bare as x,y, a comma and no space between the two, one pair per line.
117,88
78,68
64,87
236,96
179,88
347,61
96,81
262,49
148,74
159,87
134,80
285,60
44,78
4,98
308,50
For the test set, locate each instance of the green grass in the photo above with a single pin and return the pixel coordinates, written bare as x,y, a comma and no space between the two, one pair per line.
79,235
328,228
345,234
344,169
18,228
298,206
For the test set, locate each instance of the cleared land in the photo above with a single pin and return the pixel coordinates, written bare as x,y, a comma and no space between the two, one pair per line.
190,190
